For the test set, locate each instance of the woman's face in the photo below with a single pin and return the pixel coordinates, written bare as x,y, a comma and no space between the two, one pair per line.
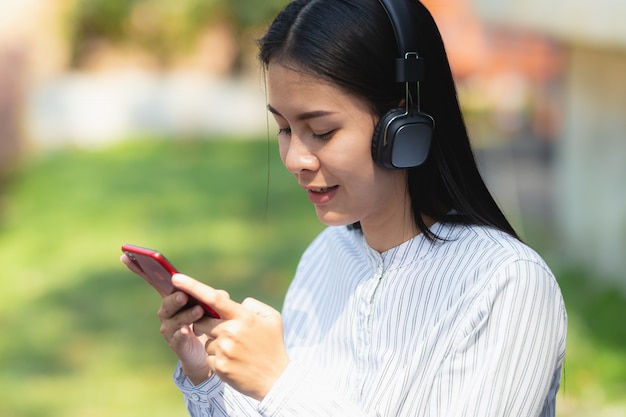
325,137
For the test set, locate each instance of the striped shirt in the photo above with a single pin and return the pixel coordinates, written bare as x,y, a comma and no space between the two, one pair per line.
471,326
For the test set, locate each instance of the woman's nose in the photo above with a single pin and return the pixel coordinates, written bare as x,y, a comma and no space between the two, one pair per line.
297,156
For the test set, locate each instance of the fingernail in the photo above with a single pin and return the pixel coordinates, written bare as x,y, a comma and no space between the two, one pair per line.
174,278
179,298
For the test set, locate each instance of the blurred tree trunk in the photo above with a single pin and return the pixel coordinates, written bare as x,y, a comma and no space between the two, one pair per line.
12,85
31,49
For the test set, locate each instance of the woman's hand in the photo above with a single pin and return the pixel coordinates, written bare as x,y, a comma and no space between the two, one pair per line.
177,329
245,347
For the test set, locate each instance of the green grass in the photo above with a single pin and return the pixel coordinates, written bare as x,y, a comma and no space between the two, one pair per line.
79,332
595,365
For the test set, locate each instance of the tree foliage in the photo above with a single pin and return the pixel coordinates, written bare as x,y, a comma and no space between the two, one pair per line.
164,28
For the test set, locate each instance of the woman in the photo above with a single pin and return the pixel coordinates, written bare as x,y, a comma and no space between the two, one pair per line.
418,299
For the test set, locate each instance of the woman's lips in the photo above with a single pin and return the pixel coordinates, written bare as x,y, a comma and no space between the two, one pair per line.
322,195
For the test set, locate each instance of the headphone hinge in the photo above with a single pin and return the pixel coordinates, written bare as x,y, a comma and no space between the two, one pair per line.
410,68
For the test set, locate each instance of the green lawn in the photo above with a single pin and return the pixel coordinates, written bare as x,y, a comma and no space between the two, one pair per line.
79,332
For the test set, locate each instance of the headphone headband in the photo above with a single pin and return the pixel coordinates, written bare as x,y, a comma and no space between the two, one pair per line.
409,65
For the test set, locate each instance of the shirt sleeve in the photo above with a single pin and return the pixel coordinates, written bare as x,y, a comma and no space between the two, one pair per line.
201,400
296,393
300,393
509,354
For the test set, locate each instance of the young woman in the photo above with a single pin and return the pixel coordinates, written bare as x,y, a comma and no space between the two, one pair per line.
419,299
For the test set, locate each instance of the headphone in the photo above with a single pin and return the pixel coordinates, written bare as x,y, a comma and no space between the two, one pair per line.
403,135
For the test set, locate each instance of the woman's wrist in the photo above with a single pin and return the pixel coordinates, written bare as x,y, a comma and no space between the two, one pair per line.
195,375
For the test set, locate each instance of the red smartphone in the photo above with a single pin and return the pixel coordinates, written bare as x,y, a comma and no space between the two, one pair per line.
158,271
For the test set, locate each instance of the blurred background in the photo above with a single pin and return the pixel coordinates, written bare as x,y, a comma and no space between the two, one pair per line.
143,121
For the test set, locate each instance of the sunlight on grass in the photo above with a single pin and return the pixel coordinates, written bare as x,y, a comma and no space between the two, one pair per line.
84,337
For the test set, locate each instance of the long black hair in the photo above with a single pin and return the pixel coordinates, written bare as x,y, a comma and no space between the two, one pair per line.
351,44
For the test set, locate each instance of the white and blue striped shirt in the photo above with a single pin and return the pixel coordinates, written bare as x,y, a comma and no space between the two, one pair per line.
471,326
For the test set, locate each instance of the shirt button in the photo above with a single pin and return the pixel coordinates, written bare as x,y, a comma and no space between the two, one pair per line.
195,396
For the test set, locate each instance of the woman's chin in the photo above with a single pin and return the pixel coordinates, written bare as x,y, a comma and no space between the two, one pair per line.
334,219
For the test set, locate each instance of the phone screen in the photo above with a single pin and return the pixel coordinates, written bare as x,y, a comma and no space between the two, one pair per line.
158,271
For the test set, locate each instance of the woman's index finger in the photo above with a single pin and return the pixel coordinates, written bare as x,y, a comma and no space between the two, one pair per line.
219,301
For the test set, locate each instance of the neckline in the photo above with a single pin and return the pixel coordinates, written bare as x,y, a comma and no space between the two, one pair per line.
409,251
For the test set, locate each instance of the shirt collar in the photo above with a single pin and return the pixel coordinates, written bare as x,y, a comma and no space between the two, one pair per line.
410,251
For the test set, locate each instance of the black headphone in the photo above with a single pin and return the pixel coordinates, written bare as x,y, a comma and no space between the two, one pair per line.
403,135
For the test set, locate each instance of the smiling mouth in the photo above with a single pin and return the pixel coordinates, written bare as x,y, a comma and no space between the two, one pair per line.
322,190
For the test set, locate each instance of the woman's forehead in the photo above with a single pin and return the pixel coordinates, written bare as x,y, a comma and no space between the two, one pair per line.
288,87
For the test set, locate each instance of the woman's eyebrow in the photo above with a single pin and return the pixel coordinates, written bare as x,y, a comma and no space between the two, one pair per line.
302,116
273,110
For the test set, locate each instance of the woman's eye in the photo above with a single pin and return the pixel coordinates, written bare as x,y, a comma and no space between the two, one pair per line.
323,136
284,131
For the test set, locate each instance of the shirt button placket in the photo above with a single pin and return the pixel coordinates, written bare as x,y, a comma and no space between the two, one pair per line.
365,323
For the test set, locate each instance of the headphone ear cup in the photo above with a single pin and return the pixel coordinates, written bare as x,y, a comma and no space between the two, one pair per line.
380,140
402,140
